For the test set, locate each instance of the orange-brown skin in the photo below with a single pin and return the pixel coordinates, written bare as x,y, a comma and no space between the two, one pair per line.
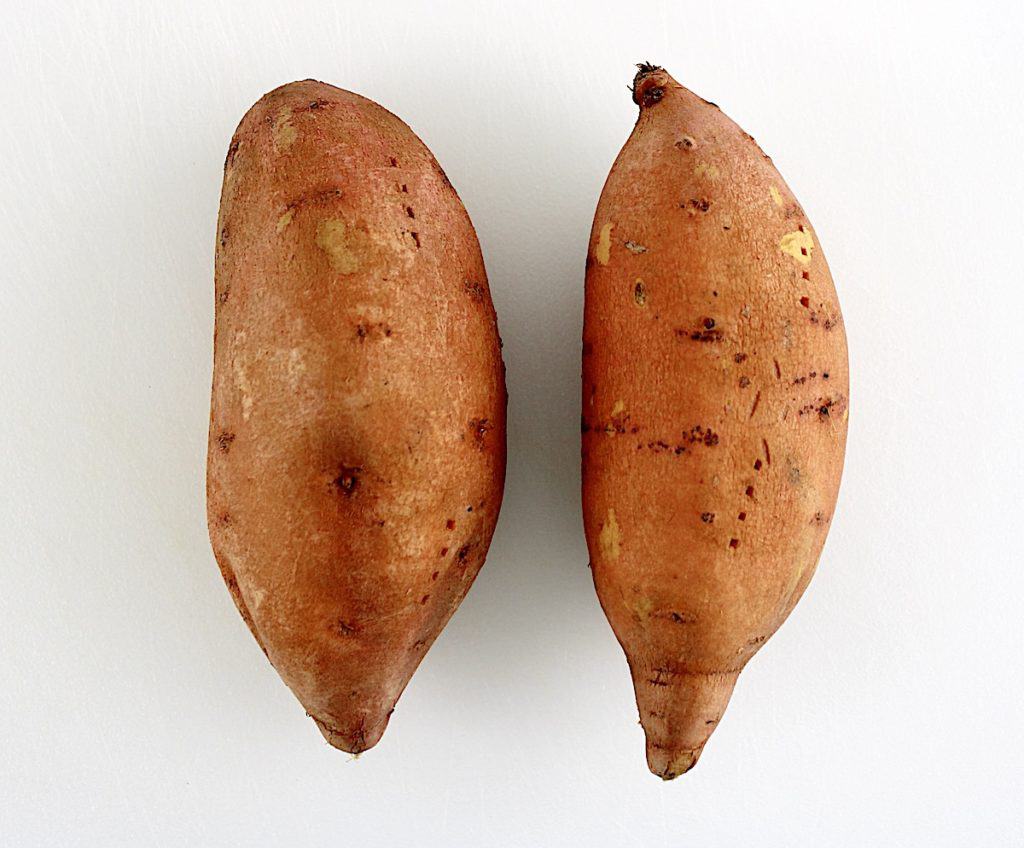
715,391
357,434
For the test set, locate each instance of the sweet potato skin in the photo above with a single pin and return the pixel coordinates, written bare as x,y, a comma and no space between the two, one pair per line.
715,403
357,433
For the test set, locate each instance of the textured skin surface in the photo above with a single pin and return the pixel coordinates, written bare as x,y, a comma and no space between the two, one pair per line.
715,391
357,434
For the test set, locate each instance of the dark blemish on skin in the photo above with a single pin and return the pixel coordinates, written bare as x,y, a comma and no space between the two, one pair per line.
443,553
232,151
742,516
361,331
685,143
697,204
224,295
709,323
711,721
824,375
819,519
450,524
345,628
734,543
475,289
682,617
424,599
405,188
479,428
699,436
224,441
805,302
318,104
739,357
714,294
347,480
435,575
757,400
778,371
639,294
463,552
225,519
806,275
416,238
652,96
707,517
749,491
757,465
409,212
469,509
767,453
744,382
394,162
224,236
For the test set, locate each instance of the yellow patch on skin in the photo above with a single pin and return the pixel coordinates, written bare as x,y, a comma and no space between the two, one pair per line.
618,408
284,132
643,608
609,539
285,220
776,196
703,169
603,251
332,239
799,245
244,389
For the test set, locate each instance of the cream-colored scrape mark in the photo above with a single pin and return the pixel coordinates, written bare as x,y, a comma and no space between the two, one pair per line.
776,196
608,540
284,131
603,251
799,245
703,169
618,408
332,239
244,389
285,220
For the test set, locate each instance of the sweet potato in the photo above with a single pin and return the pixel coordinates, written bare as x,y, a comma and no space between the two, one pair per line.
715,391
357,434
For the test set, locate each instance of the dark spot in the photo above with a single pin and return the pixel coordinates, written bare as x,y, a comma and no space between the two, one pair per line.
757,400
224,440
435,575
757,465
767,453
805,302
742,516
424,599
700,436
416,238
820,518
778,371
224,235
714,294
744,382
450,524
824,375
639,294
480,427
584,426
405,188
734,543
463,552
739,357
224,519
232,151
652,96
682,617
224,295
345,628
711,721
361,331
347,480
318,104
806,275
394,162
476,290
707,517
409,212
699,204
750,491
709,323
685,143
443,553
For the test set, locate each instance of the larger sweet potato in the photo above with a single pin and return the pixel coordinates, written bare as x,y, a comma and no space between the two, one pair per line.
357,434
715,391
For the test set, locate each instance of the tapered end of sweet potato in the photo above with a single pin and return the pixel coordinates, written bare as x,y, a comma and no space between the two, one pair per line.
679,710
353,737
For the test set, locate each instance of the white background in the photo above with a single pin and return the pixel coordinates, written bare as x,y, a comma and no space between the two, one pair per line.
135,709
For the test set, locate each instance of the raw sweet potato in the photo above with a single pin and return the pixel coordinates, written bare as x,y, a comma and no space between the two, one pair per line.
715,392
357,434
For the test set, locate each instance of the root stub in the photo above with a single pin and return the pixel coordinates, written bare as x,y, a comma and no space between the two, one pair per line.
679,711
353,739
